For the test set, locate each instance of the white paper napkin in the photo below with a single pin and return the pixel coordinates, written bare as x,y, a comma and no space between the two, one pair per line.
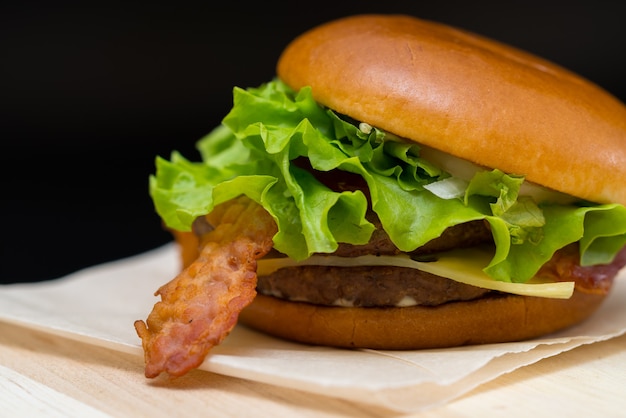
99,305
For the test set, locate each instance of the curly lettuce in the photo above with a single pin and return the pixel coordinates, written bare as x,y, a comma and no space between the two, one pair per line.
257,149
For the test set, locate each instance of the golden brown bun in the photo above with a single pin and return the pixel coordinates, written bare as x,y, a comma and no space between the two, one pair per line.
483,321
468,96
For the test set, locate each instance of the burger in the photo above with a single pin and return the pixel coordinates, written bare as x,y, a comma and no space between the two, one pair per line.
430,188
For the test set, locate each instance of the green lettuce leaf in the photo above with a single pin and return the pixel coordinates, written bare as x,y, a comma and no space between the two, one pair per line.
272,132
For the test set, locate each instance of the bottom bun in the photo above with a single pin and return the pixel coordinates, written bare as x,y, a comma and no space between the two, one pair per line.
487,320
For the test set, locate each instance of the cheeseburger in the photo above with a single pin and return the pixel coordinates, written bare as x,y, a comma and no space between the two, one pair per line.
400,184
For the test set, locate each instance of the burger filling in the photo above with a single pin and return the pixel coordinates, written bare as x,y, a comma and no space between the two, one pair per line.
390,286
365,286
368,286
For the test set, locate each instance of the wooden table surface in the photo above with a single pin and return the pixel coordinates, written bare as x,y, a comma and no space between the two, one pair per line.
46,375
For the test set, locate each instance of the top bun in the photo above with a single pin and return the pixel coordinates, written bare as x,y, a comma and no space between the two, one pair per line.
468,96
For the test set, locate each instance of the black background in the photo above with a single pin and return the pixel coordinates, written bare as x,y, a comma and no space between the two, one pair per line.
90,93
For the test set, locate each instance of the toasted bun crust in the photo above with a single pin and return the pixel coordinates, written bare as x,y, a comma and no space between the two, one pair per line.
483,321
468,96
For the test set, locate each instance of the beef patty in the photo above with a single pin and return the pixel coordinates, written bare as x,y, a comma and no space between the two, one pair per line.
364,286
369,286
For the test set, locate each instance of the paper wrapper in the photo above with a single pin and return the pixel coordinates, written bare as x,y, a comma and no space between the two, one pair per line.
99,305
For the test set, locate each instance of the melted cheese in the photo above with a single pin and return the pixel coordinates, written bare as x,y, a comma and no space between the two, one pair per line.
465,266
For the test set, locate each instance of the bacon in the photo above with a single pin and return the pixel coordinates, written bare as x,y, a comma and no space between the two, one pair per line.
200,307
565,266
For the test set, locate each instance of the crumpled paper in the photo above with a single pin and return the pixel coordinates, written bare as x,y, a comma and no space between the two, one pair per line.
99,305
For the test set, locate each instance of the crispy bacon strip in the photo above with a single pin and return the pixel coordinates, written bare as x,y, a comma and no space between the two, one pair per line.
598,279
200,307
